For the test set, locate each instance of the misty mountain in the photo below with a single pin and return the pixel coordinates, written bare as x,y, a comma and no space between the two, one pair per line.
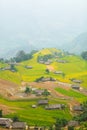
79,44
12,49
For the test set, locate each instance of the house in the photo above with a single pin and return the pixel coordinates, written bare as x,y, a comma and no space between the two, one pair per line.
34,106
43,102
5,122
47,79
39,92
55,106
78,108
73,123
19,125
77,81
28,67
58,72
75,86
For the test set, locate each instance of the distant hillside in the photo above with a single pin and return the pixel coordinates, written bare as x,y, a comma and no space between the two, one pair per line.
79,44
12,49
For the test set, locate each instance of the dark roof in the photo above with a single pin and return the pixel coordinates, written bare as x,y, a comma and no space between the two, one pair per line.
77,81
75,86
42,102
19,125
78,108
39,91
58,72
73,123
5,122
54,106
28,67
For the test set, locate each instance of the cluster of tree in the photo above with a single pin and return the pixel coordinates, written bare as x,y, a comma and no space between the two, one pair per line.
84,55
22,56
83,116
46,93
27,90
60,123
44,58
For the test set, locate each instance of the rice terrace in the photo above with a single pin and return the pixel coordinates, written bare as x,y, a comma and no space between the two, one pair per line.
43,88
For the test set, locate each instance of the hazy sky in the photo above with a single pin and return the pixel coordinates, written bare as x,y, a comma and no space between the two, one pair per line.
39,21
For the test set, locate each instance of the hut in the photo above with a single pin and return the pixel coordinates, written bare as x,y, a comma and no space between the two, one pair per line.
19,125
43,102
5,122
55,106
73,123
75,86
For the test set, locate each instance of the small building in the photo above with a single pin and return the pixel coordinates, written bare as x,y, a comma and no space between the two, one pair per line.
39,92
55,106
34,106
19,125
43,102
73,123
5,122
58,72
75,86
77,81
78,108
28,67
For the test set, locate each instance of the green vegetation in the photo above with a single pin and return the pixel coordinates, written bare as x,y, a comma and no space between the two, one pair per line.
75,67
84,55
34,116
72,93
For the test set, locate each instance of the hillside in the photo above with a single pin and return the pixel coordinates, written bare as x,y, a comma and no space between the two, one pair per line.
51,70
75,67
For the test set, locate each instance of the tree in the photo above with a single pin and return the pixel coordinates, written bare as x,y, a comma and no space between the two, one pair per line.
0,113
27,90
60,123
46,93
70,128
15,118
84,55
47,71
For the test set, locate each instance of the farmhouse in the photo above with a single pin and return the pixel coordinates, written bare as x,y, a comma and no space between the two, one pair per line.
58,72
19,125
5,122
39,92
75,86
55,106
28,67
73,123
47,79
43,102
77,81
78,108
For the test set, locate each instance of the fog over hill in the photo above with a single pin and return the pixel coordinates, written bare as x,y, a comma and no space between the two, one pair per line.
36,24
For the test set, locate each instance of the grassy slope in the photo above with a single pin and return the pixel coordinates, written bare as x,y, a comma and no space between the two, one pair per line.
35,116
75,68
